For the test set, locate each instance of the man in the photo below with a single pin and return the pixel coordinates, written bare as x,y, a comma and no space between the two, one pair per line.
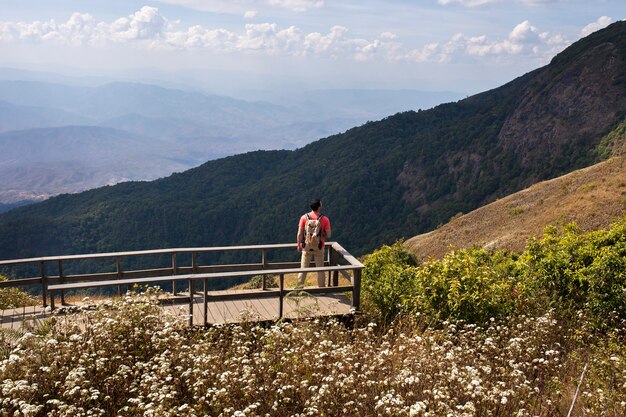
313,246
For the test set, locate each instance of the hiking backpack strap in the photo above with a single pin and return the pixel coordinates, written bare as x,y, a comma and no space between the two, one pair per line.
321,231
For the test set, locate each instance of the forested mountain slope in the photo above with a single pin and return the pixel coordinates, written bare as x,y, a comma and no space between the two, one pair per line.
592,197
397,177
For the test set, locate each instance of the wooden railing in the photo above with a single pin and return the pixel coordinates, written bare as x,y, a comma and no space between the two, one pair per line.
337,261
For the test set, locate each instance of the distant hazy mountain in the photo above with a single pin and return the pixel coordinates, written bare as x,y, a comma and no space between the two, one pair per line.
119,99
36,163
190,126
17,117
362,104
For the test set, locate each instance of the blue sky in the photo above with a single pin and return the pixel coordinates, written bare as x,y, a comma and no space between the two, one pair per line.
460,45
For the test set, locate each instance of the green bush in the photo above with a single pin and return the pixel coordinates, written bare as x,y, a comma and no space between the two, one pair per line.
469,284
14,298
580,272
573,272
472,285
387,280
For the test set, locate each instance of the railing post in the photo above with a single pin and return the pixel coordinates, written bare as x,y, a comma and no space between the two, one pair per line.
335,263
331,259
356,290
118,265
194,267
190,303
206,301
280,296
62,281
263,266
174,272
44,283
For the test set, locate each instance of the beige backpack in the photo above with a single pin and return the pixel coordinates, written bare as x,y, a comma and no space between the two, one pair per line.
312,233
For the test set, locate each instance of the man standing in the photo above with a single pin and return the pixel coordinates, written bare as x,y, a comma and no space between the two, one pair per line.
313,230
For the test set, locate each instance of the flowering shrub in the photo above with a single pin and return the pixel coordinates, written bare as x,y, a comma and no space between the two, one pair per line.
129,358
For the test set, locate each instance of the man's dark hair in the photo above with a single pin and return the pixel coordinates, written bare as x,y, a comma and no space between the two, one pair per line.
315,204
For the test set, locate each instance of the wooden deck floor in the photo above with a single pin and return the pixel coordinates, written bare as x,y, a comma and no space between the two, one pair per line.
219,312
17,317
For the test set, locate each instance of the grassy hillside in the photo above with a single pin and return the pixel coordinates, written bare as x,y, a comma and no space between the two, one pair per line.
592,197
384,180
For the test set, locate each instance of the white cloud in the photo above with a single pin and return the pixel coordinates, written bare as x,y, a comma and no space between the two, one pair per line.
533,2
82,29
467,3
146,23
387,35
427,53
478,3
148,29
250,14
524,39
297,5
242,6
601,23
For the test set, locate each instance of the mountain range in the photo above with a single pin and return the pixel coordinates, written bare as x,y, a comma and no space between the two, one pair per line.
381,181
179,129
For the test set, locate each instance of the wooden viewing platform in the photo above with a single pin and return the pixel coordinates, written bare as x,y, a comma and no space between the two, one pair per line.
201,306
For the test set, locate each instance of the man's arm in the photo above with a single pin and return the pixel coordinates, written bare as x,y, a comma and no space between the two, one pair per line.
326,231
299,238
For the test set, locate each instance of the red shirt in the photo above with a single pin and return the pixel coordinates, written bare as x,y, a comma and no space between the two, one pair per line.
324,223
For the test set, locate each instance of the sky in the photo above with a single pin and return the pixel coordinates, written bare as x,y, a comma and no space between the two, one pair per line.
433,45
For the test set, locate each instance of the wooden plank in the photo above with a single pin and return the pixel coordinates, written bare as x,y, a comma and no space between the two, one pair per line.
234,312
149,252
249,308
346,255
241,295
216,312
261,311
212,316
228,311
19,282
237,306
15,317
198,311
220,311
79,285
339,304
267,307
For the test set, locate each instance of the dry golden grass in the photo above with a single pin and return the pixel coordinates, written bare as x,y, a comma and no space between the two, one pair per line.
78,299
593,197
